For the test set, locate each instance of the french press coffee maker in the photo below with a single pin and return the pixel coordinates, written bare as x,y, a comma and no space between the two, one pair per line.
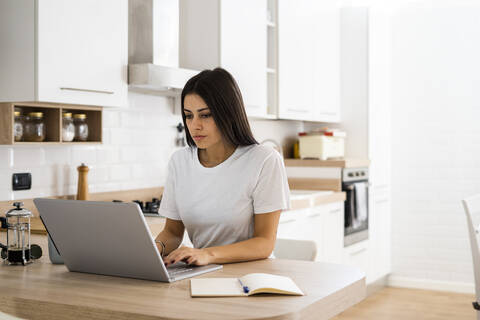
18,249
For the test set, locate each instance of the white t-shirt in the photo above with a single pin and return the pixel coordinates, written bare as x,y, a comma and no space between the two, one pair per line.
217,205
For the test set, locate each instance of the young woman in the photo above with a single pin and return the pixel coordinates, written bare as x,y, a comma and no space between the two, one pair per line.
225,189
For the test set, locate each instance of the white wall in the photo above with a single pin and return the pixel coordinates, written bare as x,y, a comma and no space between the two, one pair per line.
138,142
435,142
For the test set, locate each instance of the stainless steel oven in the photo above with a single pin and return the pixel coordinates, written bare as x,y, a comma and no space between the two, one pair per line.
355,184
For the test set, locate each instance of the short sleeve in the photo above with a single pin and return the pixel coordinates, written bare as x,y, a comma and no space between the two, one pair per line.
168,205
271,193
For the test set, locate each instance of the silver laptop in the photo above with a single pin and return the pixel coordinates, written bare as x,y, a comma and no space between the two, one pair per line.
109,238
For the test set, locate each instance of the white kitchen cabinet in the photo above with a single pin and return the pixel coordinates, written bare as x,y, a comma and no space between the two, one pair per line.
365,86
326,65
379,230
72,52
379,137
322,224
357,255
314,229
229,34
293,225
333,230
308,60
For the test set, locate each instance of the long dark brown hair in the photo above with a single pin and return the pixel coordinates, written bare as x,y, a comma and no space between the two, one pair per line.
220,92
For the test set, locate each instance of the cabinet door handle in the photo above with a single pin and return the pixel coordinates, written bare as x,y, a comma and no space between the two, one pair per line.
336,210
357,252
314,215
329,113
87,90
298,110
287,221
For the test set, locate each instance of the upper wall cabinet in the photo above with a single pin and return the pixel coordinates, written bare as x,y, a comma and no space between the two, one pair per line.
230,34
309,60
72,52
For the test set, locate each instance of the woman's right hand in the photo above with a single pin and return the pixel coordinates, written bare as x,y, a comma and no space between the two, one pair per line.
199,257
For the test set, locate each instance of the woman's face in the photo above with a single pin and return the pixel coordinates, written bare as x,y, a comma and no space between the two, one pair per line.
200,122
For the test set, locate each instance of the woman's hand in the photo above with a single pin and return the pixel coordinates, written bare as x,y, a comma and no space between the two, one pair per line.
199,257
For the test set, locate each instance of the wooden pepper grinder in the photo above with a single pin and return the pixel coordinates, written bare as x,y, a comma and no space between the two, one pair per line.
82,191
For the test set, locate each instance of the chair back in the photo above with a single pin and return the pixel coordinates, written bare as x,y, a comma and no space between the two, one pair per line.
472,208
295,249
6,316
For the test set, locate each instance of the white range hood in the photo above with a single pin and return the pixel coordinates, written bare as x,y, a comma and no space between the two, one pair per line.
168,81
153,48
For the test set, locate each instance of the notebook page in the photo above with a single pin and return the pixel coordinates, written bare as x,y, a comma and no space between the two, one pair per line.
256,281
216,287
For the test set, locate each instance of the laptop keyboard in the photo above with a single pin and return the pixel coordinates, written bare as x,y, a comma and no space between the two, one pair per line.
178,270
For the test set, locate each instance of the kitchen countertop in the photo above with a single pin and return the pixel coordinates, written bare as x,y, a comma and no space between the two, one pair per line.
300,199
339,163
45,291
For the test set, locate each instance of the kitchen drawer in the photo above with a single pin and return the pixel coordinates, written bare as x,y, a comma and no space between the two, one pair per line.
357,255
292,225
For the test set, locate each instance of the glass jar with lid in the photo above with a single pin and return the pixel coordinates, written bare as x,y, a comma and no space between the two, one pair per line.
81,127
18,126
68,128
34,129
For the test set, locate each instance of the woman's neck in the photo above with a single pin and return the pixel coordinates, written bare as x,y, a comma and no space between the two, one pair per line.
216,154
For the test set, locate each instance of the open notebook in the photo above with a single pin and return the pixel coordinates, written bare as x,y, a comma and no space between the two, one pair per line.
247,285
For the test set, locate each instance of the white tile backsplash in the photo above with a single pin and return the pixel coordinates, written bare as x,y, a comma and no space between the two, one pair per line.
107,154
58,155
106,137
5,179
6,157
137,144
131,154
84,154
99,174
45,176
119,172
121,136
27,157
111,118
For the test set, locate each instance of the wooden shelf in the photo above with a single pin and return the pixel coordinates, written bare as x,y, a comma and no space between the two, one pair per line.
52,115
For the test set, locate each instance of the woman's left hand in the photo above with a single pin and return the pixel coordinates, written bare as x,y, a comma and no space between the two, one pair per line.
199,257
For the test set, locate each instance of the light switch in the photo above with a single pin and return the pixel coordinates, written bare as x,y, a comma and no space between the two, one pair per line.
21,181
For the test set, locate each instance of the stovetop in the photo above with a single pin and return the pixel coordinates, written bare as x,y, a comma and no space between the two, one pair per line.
149,208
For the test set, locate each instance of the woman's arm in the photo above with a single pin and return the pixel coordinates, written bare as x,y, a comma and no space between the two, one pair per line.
258,247
171,235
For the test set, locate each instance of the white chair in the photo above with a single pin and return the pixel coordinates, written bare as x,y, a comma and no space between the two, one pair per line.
472,207
5,316
295,249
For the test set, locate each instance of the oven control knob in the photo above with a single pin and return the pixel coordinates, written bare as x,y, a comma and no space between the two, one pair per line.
362,174
350,174
357,174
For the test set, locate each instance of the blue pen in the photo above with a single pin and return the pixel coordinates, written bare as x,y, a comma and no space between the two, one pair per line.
245,288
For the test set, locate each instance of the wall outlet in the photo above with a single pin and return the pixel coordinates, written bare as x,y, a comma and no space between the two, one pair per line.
21,181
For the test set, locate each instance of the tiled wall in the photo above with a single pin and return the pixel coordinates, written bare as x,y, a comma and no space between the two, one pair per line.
138,142
436,144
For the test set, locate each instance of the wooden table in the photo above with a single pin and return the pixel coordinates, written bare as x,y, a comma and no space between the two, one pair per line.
42,290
